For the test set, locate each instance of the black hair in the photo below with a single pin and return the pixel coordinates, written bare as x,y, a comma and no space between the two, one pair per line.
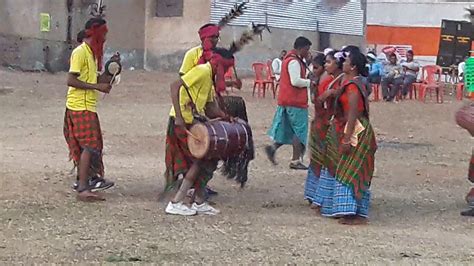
284,51
95,21
301,42
339,62
81,36
225,53
351,49
359,60
319,60
207,25
410,52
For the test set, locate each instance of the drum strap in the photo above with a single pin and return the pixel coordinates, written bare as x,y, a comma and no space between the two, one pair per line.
196,115
193,105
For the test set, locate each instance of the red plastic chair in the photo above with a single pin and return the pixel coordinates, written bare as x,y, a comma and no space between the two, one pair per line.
262,79
431,82
376,92
459,91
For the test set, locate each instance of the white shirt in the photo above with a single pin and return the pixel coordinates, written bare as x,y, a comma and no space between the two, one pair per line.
461,68
276,67
294,69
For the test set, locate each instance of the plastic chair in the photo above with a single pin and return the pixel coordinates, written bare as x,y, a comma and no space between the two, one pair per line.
262,79
376,91
431,82
459,91
414,88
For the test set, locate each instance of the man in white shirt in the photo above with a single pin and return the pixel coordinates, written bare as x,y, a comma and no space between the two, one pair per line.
461,69
410,72
276,65
290,123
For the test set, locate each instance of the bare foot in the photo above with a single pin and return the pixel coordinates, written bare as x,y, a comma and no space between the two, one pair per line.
353,220
88,196
316,209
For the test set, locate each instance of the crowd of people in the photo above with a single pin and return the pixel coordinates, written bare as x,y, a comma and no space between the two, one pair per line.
341,141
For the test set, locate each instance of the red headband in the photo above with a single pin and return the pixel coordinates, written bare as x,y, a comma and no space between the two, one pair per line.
208,32
97,34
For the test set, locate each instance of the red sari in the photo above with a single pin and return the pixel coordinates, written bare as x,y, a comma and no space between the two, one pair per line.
355,169
320,126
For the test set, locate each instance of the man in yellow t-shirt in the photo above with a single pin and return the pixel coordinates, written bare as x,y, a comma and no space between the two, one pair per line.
192,96
81,123
209,35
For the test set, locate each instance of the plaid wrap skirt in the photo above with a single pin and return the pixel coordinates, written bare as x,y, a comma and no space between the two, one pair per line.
337,199
178,159
82,132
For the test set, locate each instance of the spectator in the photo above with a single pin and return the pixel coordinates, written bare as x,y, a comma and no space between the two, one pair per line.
375,69
391,78
410,72
276,65
461,69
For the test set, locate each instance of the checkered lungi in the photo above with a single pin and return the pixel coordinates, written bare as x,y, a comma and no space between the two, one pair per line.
310,185
82,132
337,199
178,159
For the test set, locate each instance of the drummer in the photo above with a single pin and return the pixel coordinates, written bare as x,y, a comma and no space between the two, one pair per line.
201,54
197,83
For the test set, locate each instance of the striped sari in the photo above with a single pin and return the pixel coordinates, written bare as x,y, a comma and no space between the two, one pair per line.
356,168
317,145
344,187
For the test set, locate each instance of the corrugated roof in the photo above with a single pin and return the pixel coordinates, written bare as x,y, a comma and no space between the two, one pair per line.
304,15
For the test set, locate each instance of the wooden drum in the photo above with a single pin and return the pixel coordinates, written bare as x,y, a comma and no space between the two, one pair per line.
218,139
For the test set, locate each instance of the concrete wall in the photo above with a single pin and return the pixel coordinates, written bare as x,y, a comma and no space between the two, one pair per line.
167,39
414,14
126,23
143,39
22,45
339,40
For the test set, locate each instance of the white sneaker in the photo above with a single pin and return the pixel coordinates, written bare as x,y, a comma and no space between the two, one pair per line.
179,209
204,208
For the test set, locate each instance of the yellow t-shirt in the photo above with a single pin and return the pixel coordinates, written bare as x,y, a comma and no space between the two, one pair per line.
199,83
84,64
190,59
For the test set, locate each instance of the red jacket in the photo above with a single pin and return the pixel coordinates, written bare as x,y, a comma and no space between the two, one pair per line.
290,95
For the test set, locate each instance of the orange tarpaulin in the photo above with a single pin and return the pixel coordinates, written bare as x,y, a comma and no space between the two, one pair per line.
424,40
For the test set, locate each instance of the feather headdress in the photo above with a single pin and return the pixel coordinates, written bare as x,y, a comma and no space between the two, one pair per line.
234,13
248,35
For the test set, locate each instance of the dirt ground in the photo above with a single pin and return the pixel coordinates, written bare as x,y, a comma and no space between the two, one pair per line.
418,190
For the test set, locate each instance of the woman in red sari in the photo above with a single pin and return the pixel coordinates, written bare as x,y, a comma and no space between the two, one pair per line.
350,147
318,130
321,79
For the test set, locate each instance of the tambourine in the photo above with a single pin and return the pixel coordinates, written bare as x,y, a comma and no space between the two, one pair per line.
113,68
